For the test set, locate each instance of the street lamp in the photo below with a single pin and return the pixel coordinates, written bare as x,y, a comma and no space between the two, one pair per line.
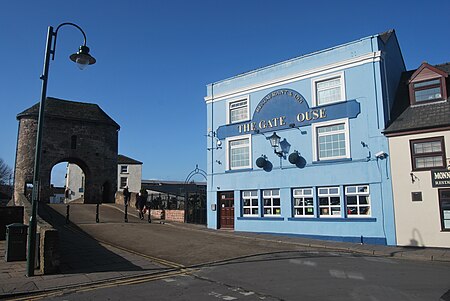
275,143
83,59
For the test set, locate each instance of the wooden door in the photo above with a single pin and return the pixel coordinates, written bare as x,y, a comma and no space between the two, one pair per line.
226,211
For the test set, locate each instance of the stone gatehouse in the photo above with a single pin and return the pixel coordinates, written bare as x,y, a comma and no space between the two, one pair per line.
73,132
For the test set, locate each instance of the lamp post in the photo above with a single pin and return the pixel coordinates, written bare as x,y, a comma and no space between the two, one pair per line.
83,59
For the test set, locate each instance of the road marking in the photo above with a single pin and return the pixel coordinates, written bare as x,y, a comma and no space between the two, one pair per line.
169,280
220,296
303,262
343,275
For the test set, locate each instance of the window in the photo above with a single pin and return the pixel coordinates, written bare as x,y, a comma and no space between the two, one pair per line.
239,154
428,153
123,182
303,202
357,200
123,168
328,90
329,201
331,140
250,203
238,111
272,205
444,207
428,90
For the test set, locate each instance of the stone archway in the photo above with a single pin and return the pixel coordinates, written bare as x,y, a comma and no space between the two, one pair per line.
74,132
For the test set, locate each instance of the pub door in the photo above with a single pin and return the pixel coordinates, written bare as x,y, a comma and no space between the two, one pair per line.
226,211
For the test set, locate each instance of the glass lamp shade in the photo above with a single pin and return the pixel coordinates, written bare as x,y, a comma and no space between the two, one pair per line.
274,140
83,58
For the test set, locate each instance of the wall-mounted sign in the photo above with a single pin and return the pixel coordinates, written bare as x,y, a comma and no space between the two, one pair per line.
286,108
440,178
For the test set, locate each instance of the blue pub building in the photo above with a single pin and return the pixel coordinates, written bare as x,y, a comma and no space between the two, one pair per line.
297,147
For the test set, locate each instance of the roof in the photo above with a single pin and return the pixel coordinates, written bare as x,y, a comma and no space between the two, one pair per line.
71,110
121,159
406,118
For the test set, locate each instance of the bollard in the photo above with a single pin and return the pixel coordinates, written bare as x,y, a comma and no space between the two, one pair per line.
149,215
67,214
97,220
126,213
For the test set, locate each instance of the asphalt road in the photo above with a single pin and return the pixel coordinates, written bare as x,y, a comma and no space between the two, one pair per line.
221,266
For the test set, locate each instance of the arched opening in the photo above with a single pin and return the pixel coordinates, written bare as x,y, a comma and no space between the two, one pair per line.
68,179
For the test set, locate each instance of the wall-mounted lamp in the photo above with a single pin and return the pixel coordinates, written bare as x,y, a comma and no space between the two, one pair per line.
213,135
275,143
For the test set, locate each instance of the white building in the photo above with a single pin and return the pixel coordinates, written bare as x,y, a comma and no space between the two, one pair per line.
129,173
74,182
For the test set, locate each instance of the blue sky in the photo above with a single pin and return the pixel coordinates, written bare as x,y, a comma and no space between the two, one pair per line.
154,59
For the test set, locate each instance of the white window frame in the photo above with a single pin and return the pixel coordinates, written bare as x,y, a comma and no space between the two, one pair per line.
253,195
325,78
299,193
245,98
329,206
317,125
358,194
228,151
272,207
120,183
123,169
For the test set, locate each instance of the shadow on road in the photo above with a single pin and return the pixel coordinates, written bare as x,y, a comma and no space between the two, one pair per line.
80,253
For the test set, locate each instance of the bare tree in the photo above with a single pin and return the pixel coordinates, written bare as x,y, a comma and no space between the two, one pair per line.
5,172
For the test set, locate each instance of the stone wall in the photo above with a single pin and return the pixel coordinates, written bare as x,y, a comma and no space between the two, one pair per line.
169,215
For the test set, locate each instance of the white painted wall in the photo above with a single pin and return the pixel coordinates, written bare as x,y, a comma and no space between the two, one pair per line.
417,223
134,176
74,181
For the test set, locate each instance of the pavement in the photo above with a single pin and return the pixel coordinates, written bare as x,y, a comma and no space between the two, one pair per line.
114,252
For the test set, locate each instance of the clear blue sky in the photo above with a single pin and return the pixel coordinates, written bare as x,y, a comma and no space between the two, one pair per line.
154,59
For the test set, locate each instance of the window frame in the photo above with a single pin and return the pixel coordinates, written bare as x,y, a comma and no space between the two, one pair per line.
228,151
315,81
303,206
250,206
315,145
358,205
245,98
430,154
329,206
126,184
122,167
441,209
272,207
413,90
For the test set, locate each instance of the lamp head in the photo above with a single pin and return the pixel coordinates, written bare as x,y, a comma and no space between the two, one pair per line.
274,140
83,58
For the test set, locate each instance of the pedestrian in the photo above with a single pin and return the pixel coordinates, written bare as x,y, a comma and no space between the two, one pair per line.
141,204
126,196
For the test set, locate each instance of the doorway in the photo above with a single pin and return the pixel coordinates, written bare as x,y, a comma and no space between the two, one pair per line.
226,212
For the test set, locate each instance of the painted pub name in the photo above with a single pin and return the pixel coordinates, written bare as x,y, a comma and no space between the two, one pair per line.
281,121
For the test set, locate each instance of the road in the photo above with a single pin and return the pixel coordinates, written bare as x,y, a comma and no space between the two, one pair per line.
211,265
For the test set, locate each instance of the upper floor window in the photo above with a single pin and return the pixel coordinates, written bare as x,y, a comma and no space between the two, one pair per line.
239,152
427,153
427,84
331,140
328,90
123,168
427,90
238,110
123,182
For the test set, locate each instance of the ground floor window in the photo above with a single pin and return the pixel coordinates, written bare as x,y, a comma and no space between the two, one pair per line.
272,204
329,201
357,200
444,207
250,203
303,202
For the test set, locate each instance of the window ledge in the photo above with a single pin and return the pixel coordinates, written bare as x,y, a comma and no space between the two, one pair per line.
333,219
259,218
238,170
331,161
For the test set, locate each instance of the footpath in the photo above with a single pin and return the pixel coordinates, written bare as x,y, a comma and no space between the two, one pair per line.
112,251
